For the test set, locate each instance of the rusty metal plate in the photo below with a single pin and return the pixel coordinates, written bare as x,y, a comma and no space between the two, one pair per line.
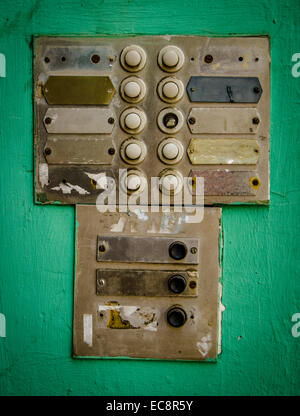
145,250
225,182
82,150
223,151
224,120
78,90
133,323
79,120
219,89
146,283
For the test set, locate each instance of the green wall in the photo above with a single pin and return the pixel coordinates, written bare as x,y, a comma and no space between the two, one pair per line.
261,254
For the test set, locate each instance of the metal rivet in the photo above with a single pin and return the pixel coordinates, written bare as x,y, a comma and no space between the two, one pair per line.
192,120
255,120
48,120
256,90
194,250
48,151
111,120
111,151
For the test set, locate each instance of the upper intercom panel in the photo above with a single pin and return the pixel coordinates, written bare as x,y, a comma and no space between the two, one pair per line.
166,107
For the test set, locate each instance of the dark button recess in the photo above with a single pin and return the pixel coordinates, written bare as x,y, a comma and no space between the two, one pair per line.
176,317
177,250
170,120
177,283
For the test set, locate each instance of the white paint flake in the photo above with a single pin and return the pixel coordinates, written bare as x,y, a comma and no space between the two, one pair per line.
88,329
119,227
204,345
43,174
67,188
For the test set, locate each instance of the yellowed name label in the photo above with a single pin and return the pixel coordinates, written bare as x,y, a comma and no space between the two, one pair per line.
223,151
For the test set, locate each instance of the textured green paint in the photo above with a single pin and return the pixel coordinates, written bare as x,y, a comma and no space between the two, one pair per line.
261,244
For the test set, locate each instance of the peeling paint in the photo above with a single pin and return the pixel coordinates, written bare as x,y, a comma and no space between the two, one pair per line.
100,179
119,227
204,345
88,329
67,188
220,311
43,174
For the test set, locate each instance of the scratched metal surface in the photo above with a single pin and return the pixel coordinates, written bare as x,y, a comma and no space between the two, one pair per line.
96,334
52,184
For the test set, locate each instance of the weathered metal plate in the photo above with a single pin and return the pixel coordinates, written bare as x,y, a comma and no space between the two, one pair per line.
82,150
79,120
225,51
223,151
88,58
226,182
125,325
143,282
217,89
144,249
224,120
78,90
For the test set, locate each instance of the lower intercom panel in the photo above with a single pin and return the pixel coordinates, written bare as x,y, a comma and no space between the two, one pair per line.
147,284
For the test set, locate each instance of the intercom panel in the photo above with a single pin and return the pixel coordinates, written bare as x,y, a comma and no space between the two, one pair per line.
129,109
147,284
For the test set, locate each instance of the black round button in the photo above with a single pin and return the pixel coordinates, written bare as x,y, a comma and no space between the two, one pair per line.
177,283
177,250
176,317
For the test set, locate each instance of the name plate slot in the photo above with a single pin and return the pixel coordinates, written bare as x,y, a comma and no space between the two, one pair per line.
223,151
226,182
147,250
78,90
79,120
224,120
224,89
80,150
146,283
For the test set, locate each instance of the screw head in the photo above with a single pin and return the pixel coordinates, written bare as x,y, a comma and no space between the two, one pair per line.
102,248
48,120
255,120
48,151
111,120
192,120
256,90
194,250
111,151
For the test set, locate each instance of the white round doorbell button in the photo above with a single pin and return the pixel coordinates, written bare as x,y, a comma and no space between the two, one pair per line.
133,58
170,182
133,151
170,58
170,151
132,121
170,90
132,89
133,182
